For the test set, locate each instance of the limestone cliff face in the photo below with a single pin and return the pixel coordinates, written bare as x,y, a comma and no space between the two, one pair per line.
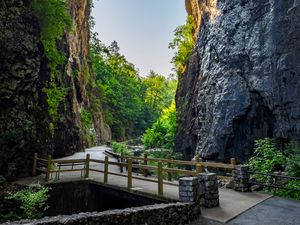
242,80
24,116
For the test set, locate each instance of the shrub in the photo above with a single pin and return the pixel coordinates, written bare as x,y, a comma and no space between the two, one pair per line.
33,201
293,160
162,132
121,148
267,158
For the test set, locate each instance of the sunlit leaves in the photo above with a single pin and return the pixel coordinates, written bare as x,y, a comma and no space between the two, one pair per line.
183,43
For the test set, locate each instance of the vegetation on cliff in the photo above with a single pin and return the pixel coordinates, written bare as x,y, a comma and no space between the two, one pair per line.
183,43
54,20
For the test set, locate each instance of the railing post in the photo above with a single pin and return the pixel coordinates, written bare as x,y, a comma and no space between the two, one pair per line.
198,168
233,161
169,173
197,158
145,163
160,178
122,160
87,166
48,167
35,156
129,170
106,169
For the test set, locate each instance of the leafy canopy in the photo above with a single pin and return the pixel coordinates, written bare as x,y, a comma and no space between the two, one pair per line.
183,43
131,103
162,132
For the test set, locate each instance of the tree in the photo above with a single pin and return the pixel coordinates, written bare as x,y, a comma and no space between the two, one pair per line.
162,132
183,43
160,91
121,88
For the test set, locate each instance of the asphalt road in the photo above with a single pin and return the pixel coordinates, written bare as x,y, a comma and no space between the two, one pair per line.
273,211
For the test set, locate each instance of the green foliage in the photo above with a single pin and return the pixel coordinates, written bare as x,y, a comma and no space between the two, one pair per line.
86,118
54,19
159,91
293,184
55,95
130,103
121,148
184,43
293,160
163,153
269,159
162,132
3,181
33,201
87,122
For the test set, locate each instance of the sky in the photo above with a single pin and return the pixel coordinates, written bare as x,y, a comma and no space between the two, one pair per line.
142,28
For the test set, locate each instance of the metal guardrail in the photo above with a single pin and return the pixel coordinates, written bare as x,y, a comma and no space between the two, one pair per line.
275,182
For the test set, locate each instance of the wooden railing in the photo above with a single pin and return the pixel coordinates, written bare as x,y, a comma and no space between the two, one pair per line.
162,166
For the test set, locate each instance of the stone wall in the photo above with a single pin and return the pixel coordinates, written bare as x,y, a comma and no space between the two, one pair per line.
159,214
203,190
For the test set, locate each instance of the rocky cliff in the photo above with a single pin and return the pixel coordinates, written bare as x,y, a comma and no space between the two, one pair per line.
26,125
242,80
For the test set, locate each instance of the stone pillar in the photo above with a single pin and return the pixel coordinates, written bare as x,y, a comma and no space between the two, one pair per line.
188,189
208,191
241,178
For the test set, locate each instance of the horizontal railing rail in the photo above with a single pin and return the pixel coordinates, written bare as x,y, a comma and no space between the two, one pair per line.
162,167
276,181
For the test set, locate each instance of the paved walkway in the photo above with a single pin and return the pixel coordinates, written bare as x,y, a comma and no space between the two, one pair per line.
273,211
232,203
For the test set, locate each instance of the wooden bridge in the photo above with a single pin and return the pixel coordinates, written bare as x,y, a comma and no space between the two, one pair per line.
153,176
164,170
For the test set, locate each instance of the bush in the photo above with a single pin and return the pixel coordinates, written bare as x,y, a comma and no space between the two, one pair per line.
293,160
269,159
121,148
293,184
33,201
162,132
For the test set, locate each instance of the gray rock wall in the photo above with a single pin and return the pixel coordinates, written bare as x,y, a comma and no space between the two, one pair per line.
23,114
25,123
243,79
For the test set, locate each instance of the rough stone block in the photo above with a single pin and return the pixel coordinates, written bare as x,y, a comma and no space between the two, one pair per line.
188,181
188,188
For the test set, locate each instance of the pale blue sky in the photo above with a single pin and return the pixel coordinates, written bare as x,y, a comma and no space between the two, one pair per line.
143,29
